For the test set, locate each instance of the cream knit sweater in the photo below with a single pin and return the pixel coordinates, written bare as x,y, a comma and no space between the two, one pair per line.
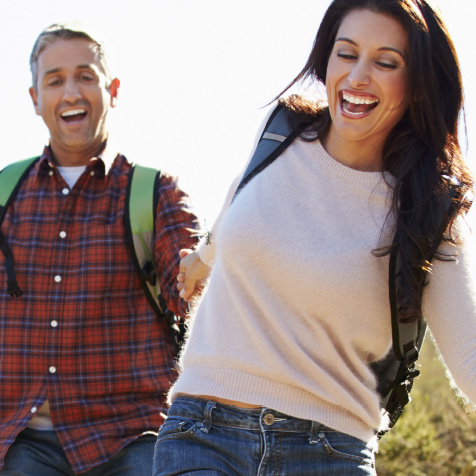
297,306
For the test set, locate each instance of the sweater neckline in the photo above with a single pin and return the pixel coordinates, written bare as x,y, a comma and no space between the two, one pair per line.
347,173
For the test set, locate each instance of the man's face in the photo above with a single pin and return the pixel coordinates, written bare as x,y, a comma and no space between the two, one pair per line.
73,99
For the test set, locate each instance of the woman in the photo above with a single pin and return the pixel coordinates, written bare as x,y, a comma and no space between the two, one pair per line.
275,375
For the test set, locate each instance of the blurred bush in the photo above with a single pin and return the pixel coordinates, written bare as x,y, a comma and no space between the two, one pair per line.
436,434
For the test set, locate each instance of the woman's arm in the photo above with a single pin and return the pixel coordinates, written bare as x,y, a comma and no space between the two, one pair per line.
449,306
196,265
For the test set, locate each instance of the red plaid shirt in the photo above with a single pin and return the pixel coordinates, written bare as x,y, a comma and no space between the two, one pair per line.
83,335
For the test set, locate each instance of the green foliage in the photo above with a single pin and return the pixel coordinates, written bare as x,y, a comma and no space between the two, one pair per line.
436,435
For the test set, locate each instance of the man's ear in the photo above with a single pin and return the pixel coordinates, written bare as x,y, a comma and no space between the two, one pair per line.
34,98
113,91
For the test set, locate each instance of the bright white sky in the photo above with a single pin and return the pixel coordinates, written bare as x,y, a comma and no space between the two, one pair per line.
194,75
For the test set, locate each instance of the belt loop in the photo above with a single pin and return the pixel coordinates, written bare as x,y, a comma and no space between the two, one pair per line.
313,438
207,422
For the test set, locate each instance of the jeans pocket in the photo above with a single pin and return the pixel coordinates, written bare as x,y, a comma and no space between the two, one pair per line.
342,446
176,427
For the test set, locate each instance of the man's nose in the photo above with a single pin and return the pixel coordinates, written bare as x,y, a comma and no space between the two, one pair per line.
71,91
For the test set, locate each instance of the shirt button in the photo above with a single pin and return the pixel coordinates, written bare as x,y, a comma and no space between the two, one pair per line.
33,409
62,234
50,173
92,173
268,419
52,370
54,323
58,278
65,191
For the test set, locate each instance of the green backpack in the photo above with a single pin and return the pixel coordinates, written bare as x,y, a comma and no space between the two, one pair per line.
139,214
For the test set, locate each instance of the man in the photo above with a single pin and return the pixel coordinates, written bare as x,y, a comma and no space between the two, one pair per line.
84,361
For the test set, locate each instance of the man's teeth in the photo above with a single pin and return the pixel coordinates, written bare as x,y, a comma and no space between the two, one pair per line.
73,112
358,99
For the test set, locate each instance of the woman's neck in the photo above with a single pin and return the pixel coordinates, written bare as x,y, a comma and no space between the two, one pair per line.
358,155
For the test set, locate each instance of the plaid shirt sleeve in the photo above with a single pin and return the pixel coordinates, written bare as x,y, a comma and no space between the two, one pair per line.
176,227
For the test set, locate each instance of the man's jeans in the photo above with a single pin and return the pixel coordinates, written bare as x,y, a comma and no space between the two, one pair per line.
205,438
39,453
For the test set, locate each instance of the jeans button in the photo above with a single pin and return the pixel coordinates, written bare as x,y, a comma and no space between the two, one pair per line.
268,419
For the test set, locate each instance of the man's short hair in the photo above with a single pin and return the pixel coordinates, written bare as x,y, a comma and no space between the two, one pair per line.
65,31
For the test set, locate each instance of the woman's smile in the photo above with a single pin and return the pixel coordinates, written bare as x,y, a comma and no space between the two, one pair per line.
367,87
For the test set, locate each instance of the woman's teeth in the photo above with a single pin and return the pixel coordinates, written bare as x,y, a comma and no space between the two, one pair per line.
358,99
358,105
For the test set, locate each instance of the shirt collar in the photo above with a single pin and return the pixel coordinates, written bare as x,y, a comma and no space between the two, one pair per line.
106,157
101,164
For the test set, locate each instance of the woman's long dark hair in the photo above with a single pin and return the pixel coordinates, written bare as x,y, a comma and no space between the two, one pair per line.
423,150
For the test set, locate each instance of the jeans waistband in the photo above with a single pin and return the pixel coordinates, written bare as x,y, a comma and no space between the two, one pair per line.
259,419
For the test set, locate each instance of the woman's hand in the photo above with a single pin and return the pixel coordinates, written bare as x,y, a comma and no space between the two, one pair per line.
193,273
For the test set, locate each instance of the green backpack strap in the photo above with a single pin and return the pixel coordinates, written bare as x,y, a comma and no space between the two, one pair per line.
141,205
11,178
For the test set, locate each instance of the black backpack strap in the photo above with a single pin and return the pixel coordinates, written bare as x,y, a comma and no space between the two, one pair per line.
408,338
279,132
397,371
142,196
11,178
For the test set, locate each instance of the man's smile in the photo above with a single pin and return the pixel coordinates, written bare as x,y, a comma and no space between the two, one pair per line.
74,115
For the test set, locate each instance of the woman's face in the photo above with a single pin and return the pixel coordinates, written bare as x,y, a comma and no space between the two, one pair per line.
367,78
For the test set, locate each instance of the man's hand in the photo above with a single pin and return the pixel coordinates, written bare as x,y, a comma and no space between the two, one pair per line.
193,274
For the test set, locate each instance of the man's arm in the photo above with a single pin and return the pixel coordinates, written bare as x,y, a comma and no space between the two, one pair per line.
176,227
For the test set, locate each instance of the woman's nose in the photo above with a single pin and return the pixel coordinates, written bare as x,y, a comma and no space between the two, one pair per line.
359,74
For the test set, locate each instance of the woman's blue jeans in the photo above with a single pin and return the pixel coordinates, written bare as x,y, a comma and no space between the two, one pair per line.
205,438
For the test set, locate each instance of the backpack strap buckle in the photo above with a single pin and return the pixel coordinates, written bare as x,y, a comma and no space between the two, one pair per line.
149,274
411,354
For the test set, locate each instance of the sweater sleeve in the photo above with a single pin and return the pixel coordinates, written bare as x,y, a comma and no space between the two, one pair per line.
449,306
207,246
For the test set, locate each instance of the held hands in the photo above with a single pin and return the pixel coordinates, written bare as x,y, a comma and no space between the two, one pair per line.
192,275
